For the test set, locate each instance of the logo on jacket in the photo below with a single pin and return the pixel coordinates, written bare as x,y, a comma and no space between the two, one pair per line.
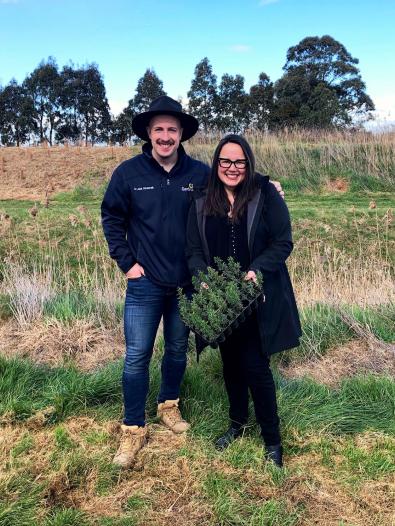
188,188
140,188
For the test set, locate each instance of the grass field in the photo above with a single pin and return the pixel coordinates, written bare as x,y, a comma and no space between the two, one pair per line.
61,350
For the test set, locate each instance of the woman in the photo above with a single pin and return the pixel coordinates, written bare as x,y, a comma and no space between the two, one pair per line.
243,216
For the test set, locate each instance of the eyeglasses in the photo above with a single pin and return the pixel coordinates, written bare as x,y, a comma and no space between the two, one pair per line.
227,163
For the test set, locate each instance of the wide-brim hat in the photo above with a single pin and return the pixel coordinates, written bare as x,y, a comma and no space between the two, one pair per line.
165,105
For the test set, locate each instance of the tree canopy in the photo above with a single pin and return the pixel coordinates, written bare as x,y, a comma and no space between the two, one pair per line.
202,95
44,86
17,115
321,87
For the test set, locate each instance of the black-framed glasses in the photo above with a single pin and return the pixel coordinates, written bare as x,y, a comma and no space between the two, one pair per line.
240,164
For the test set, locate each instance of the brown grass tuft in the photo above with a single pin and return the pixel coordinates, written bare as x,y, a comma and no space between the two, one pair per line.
338,185
357,356
53,343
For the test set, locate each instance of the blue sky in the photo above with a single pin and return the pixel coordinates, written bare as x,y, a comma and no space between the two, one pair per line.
247,37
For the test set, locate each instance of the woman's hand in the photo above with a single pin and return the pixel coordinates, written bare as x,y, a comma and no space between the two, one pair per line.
251,276
135,272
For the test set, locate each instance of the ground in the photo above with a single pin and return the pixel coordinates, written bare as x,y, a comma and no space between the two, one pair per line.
61,348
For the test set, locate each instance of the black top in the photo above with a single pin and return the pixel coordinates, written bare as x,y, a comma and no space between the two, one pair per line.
144,215
226,238
270,243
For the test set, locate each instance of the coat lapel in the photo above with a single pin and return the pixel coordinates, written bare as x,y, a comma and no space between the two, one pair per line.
251,214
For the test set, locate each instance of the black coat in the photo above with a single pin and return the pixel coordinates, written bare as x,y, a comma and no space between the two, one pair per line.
144,213
270,243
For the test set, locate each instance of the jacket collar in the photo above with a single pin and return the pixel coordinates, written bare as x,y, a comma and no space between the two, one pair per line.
254,210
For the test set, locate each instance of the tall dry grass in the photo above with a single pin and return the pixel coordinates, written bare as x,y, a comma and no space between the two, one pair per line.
28,291
321,273
314,154
329,275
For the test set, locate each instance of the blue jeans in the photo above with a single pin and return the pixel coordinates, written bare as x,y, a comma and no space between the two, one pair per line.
145,304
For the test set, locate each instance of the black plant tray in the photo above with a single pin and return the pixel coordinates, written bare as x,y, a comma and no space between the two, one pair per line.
201,342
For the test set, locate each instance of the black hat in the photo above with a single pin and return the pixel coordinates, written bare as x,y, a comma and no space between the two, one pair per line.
165,105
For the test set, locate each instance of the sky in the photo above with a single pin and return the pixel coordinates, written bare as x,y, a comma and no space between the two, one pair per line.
248,37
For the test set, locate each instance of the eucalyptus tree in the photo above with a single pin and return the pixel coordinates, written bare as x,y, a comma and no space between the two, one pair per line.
203,95
85,109
232,113
321,86
261,103
44,86
17,115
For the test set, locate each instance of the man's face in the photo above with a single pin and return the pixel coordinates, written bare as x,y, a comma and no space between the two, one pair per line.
165,133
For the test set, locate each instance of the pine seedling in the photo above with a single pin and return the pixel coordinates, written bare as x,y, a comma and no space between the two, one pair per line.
249,290
216,299
230,269
184,306
232,296
214,320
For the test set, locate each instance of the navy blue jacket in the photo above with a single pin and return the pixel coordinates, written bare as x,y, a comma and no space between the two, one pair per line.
270,244
144,215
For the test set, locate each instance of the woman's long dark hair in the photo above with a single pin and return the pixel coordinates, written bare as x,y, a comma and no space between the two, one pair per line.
217,202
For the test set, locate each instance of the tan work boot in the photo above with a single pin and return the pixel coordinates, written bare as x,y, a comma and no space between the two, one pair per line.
132,440
170,416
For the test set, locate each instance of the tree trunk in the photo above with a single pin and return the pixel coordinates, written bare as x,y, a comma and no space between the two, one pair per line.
41,129
50,130
86,131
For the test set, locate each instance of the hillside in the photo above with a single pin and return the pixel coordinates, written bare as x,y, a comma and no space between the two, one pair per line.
34,172
62,347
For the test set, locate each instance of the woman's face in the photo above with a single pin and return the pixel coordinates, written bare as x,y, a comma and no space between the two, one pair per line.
231,176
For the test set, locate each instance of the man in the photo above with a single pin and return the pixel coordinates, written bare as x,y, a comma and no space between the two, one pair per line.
144,214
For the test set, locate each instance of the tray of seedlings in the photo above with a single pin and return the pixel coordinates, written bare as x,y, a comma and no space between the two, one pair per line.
222,301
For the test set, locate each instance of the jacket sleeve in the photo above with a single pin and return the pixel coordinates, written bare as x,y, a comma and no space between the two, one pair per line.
194,247
278,223
115,212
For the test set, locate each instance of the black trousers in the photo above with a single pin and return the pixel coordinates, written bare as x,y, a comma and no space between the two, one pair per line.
247,368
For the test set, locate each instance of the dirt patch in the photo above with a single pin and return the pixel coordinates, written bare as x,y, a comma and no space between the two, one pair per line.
37,173
54,344
356,356
329,503
338,185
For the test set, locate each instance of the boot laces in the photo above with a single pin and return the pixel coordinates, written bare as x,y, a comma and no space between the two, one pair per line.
127,442
173,414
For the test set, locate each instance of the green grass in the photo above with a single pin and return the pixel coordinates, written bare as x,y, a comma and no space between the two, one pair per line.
20,498
26,388
23,446
66,517
233,506
380,321
322,329
359,466
360,403
325,423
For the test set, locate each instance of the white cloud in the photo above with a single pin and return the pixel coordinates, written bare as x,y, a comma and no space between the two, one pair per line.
267,2
385,105
116,106
384,115
240,48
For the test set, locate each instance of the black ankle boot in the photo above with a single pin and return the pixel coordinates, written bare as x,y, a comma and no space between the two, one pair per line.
227,438
275,455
